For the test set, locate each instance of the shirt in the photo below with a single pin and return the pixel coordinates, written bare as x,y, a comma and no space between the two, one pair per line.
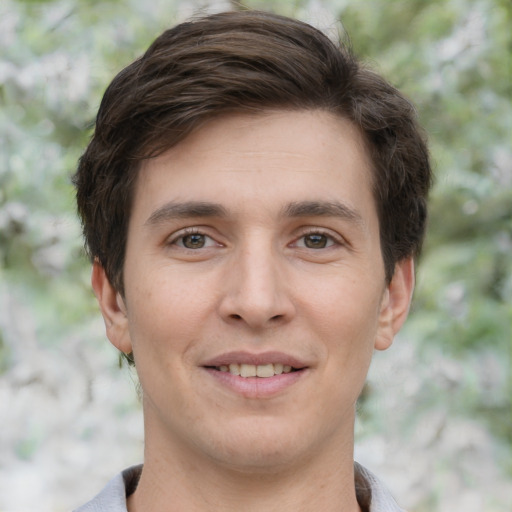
372,496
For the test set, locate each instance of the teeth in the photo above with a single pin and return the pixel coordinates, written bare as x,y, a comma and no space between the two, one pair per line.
265,370
247,370
252,370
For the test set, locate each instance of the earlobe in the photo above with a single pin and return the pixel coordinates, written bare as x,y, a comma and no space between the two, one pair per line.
113,309
395,303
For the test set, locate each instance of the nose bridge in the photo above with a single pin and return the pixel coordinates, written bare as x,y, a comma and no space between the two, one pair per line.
259,273
256,291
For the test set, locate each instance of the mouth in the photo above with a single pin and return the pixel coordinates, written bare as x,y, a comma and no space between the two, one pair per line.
257,375
263,371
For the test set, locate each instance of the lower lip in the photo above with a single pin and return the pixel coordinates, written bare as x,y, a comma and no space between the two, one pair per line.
257,387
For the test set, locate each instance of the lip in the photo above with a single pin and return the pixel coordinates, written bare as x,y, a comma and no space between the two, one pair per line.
256,387
242,357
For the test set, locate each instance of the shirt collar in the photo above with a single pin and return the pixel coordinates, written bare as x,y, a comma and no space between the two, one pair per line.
372,495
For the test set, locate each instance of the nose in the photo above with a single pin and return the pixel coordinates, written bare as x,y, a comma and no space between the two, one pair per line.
255,290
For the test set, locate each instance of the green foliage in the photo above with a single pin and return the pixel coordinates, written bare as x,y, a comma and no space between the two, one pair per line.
57,58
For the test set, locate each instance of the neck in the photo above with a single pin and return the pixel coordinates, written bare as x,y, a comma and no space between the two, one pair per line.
177,479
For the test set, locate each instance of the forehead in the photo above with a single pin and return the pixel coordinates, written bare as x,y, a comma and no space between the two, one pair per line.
273,158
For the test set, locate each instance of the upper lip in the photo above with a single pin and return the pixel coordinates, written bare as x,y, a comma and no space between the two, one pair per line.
242,357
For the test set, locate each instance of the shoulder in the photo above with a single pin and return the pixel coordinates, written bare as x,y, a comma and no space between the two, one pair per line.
372,494
113,497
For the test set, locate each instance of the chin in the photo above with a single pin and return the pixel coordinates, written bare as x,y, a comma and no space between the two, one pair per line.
260,447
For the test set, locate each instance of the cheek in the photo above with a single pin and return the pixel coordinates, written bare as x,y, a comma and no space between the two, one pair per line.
157,306
347,326
343,306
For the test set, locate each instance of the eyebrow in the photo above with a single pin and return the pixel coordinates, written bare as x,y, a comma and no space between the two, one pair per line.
188,209
196,209
323,209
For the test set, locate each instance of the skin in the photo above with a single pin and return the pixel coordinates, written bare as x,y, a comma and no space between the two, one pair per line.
255,270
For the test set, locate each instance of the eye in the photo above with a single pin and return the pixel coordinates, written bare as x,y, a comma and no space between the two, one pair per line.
193,240
316,240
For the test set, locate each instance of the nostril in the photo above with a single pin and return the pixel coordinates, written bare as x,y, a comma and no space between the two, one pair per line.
235,317
276,317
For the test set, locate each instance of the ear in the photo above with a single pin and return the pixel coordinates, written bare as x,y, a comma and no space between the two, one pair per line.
112,308
395,303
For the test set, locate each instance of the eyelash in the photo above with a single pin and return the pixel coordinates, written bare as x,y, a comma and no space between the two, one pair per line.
187,232
336,240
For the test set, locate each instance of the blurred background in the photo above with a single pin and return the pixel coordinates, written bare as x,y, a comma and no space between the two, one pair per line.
435,419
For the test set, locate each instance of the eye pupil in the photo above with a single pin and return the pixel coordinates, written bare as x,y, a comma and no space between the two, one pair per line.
196,241
315,241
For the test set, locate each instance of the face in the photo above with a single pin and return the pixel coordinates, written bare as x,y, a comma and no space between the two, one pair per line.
255,291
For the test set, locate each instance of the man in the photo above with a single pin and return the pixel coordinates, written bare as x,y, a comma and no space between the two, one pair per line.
252,200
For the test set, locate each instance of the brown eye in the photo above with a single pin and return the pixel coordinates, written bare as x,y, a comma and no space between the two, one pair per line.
316,241
194,241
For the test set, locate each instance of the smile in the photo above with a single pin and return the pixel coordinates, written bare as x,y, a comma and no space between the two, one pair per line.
257,376
253,370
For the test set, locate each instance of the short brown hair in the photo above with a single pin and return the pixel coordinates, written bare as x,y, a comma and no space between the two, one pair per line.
246,62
